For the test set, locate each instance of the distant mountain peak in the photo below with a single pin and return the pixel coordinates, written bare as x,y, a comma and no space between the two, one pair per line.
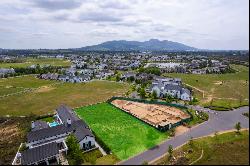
150,45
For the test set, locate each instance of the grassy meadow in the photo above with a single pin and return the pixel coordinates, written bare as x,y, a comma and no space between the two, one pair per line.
41,61
50,94
125,135
223,149
220,90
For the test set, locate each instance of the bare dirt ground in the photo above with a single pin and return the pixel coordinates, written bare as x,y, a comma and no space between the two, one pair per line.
44,89
12,134
8,132
218,82
152,113
180,130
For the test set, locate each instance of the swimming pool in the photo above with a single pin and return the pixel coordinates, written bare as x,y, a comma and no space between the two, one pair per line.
53,124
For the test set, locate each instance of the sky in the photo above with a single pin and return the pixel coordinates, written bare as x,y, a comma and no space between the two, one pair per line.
204,24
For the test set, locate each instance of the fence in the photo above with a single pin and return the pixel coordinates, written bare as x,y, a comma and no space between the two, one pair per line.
161,128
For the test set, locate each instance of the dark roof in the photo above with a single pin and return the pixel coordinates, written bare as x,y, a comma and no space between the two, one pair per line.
172,87
82,132
40,125
65,113
79,126
47,132
185,90
39,153
129,74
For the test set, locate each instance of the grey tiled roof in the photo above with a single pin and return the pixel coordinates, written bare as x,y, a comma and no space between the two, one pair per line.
185,90
47,132
79,128
65,113
39,153
172,87
40,125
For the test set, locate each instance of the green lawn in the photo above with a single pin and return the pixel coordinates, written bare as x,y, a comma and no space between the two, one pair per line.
47,99
226,90
41,61
223,149
49,119
125,135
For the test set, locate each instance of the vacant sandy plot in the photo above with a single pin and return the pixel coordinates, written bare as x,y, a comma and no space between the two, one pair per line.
152,113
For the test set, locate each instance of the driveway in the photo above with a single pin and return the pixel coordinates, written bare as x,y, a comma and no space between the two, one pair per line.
218,121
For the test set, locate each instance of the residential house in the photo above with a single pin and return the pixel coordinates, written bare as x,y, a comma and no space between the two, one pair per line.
126,75
4,71
170,86
46,144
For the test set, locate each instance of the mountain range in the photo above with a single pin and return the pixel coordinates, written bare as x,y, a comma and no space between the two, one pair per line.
150,45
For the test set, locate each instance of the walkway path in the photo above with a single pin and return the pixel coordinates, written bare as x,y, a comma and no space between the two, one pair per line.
100,148
218,121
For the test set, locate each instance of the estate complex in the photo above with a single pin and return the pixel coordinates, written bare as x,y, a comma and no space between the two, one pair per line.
46,142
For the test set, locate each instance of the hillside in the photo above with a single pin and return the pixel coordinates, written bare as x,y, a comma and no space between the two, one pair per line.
151,45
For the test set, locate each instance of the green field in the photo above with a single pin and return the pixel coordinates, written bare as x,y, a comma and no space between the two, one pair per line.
224,149
33,61
125,135
226,90
50,95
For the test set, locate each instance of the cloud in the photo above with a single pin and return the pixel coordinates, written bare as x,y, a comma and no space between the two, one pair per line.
113,4
53,5
99,17
214,24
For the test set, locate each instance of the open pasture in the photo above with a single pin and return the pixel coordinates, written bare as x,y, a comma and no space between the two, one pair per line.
45,95
34,61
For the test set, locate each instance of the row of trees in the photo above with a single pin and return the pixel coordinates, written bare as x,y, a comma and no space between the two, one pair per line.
38,70
150,70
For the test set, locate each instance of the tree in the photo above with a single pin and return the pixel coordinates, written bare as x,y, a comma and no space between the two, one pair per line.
133,87
142,93
191,142
131,79
169,98
170,151
172,132
74,153
117,78
238,127
154,94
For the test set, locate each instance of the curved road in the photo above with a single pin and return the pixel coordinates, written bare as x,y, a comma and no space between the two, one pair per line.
218,121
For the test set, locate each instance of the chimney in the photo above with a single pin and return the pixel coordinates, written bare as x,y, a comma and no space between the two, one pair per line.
68,122
32,125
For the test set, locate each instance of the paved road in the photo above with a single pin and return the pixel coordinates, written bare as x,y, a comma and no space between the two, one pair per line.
218,121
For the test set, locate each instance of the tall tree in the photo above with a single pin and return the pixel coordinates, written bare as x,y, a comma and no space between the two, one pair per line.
75,154
170,151
238,127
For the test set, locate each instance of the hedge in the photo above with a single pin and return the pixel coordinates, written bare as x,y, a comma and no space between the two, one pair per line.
101,143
